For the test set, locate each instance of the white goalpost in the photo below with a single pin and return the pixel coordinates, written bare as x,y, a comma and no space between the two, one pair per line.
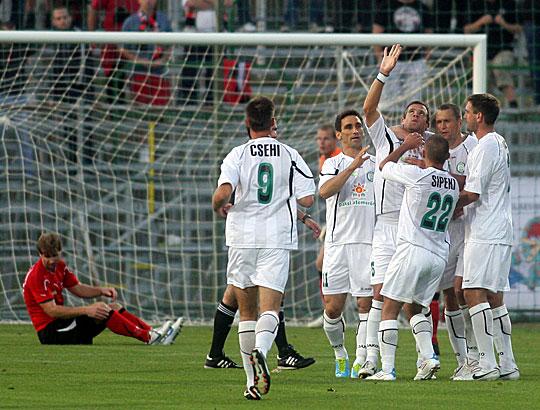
121,157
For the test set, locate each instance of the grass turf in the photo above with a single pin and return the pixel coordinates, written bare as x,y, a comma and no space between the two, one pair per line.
120,373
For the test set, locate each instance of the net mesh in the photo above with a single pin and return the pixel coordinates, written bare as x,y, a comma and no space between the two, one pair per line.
121,159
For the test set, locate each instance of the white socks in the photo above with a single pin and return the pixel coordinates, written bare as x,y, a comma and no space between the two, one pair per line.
361,331
388,340
502,337
422,331
456,333
372,330
246,338
335,332
470,338
482,322
265,331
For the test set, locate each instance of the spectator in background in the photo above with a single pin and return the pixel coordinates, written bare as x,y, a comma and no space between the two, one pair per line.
531,25
316,16
198,59
404,17
148,82
499,20
64,72
5,11
245,20
442,15
116,11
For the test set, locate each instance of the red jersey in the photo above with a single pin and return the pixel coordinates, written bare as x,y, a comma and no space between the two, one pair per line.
41,285
323,158
116,11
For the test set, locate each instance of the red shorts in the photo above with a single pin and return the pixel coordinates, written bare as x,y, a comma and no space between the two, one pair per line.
150,89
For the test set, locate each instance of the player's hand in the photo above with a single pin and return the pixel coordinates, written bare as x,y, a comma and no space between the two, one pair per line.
486,19
390,59
415,161
360,158
314,226
109,292
413,140
224,210
99,310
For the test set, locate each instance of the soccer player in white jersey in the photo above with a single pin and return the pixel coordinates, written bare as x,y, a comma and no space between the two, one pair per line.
346,182
458,321
488,240
415,270
388,194
268,178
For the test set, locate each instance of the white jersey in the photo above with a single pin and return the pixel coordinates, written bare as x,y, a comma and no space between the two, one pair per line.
267,176
388,194
457,166
428,204
350,213
489,220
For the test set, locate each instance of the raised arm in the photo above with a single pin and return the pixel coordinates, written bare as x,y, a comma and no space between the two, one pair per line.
373,97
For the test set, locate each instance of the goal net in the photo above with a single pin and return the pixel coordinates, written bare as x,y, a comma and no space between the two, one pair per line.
121,157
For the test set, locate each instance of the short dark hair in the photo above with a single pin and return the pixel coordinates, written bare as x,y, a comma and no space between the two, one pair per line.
328,127
57,5
487,104
260,111
416,102
343,114
452,107
437,149
49,244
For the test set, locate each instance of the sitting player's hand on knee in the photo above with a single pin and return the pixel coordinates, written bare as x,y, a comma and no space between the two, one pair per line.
99,310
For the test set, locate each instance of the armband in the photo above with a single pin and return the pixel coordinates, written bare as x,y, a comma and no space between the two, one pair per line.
382,77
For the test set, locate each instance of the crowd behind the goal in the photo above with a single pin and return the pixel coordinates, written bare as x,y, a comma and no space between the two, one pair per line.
506,23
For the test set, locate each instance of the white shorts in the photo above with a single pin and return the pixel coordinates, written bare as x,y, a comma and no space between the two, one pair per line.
383,248
413,275
248,267
454,266
346,269
486,266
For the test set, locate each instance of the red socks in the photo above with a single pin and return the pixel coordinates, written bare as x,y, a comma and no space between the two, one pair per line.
120,325
435,315
132,318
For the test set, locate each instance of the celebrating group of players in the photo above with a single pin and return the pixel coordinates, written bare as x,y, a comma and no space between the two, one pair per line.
428,212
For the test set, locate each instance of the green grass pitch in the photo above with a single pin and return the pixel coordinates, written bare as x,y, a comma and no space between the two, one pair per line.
120,373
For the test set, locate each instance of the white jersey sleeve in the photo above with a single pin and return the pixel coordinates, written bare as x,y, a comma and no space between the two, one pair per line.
230,172
303,181
488,175
401,173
